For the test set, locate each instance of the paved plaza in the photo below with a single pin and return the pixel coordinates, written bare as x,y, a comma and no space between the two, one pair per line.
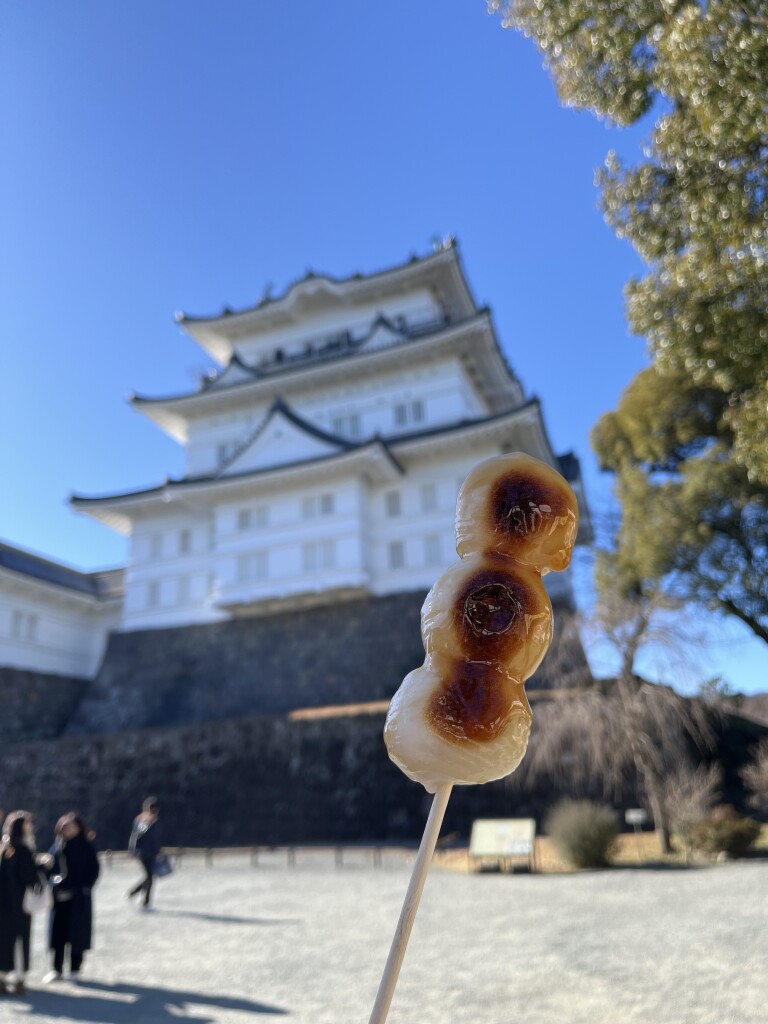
236,942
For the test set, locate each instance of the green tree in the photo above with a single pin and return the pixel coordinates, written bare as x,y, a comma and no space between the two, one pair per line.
692,468
692,517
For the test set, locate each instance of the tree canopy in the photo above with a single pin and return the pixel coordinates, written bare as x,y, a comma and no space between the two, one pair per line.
690,438
692,517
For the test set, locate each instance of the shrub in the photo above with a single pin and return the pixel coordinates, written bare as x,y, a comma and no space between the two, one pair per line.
725,831
584,833
689,795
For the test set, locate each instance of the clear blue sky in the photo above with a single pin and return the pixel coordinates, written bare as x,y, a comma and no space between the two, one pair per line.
164,155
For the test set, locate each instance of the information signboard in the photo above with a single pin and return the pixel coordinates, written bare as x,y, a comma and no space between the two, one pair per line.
503,840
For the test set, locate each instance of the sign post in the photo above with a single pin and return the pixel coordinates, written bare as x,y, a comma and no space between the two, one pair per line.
636,817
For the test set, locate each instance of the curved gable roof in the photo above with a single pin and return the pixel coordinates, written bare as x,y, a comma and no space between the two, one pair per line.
312,283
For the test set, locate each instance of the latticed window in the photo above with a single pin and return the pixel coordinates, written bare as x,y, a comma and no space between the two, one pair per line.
432,549
393,504
320,554
428,497
396,554
406,413
317,505
24,625
253,565
347,426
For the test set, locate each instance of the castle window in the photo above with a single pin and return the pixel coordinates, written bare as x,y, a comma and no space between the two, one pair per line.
409,412
326,504
156,546
428,497
319,554
24,625
346,426
393,504
432,554
317,505
253,566
182,590
396,554
244,519
185,541
153,594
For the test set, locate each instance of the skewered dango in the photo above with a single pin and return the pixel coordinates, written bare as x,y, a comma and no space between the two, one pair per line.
463,716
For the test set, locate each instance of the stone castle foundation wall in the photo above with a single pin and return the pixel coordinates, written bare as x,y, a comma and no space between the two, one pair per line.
36,705
207,718
259,780
335,654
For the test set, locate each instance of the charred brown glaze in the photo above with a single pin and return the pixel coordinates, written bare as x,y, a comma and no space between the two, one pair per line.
471,703
521,505
490,614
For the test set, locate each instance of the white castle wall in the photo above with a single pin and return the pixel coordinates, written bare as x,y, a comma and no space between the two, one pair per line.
417,307
47,628
304,540
442,389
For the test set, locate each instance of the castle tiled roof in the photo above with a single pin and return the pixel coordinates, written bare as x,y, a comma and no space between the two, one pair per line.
268,299
101,585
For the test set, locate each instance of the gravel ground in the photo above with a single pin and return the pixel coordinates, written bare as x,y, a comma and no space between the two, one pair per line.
235,942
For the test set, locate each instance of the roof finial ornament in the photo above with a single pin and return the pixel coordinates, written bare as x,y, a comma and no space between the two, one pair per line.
443,244
266,294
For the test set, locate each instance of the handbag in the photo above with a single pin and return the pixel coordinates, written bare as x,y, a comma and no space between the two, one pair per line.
37,900
162,866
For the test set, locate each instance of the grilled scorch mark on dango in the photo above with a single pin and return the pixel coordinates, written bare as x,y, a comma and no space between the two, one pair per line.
448,723
487,609
518,507
474,702
463,716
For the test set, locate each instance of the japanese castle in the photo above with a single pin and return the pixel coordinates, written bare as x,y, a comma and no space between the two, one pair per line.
322,464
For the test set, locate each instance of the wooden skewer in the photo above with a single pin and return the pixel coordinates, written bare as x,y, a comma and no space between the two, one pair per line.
410,905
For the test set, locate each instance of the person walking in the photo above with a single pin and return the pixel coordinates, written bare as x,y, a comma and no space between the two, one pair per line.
74,872
145,844
18,873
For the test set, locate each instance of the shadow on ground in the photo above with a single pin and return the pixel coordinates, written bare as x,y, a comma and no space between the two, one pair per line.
229,919
97,1003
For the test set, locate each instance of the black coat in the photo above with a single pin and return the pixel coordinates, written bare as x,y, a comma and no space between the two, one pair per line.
17,873
76,865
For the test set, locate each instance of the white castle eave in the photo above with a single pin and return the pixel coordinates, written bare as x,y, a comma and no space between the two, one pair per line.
441,273
473,341
119,511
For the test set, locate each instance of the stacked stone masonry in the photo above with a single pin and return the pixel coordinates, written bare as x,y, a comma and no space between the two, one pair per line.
205,717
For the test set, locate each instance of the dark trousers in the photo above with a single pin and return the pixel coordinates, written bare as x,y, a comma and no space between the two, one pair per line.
60,928
145,885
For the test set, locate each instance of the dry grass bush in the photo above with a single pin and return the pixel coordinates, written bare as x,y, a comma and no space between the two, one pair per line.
725,831
689,796
584,833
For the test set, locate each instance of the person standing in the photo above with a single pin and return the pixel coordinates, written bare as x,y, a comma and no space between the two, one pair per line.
73,875
17,874
145,844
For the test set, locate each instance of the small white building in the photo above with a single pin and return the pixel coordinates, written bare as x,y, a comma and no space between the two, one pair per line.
324,458
54,619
